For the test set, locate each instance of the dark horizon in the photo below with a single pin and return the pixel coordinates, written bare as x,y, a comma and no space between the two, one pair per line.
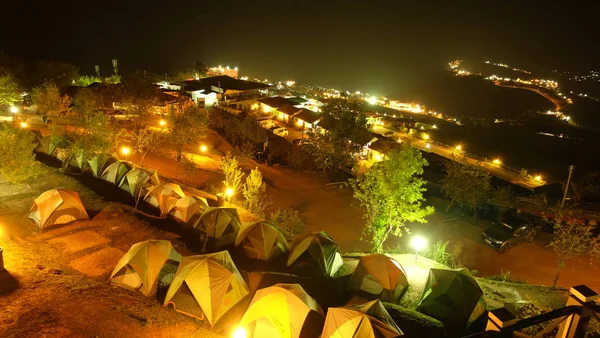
382,48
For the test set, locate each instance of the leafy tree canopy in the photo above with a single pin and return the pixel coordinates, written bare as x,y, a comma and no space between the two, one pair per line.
392,194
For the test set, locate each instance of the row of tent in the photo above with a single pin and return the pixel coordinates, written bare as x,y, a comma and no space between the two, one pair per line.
260,240
209,286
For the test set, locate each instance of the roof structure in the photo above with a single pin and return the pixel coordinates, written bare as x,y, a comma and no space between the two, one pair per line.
276,102
288,109
383,146
224,82
308,116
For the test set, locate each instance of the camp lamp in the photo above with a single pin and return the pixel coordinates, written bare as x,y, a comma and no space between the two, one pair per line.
418,243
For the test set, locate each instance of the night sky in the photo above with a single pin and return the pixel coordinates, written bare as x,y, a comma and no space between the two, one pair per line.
382,47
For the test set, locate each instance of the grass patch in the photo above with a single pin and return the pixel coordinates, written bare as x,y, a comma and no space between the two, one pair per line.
413,323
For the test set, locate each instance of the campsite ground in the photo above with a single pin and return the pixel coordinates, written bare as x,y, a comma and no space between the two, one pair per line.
56,286
56,281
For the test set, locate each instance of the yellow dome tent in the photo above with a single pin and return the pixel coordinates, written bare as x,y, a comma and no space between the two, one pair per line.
206,285
381,276
261,240
187,207
282,311
97,163
220,224
163,196
57,206
136,178
115,172
320,248
146,265
369,320
46,145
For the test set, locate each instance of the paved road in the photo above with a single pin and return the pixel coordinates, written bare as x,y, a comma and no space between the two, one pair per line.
452,154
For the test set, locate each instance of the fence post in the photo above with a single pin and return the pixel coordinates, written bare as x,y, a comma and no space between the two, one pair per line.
576,324
499,320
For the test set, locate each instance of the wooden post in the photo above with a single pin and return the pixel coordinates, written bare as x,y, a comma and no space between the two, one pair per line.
576,324
499,320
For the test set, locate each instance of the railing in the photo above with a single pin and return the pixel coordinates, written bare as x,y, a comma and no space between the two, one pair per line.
570,321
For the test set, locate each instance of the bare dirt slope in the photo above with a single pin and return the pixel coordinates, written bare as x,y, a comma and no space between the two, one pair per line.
56,281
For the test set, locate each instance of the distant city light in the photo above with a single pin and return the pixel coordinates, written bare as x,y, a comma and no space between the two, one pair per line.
427,145
203,148
426,136
162,123
497,161
458,147
538,178
372,100
23,125
14,109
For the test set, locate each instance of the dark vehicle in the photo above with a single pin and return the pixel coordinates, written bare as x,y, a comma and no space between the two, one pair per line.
508,233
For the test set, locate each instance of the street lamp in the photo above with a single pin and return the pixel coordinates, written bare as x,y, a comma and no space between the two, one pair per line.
427,145
426,136
458,147
14,109
538,178
497,161
203,148
229,193
125,151
24,125
418,243
162,123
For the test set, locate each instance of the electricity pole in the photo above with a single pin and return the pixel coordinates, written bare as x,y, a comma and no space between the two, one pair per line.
562,204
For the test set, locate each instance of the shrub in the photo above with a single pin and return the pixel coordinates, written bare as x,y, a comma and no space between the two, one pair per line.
255,193
438,252
289,222
233,173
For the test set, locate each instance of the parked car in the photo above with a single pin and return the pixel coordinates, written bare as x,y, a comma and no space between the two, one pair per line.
282,131
299,142
267,124
508,233
388,133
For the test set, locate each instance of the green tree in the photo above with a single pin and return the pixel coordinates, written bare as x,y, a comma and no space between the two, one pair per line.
467,184
9,90
16,151
233,173
49,101
335,148
504,197
255,193
187,126
113,79
189,167
90,133
61,74
85,80
289,222
572,238
200,69
392,194
145,140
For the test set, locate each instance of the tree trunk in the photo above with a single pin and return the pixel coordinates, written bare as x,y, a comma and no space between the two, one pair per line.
143,158
556,275
561,264
449,205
